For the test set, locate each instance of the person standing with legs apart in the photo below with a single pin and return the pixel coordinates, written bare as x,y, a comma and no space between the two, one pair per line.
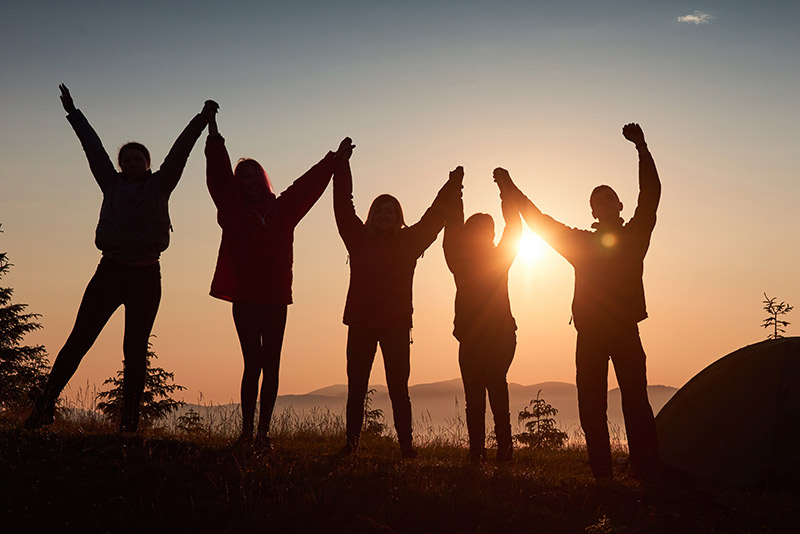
608,304
383,254
484,326
254,266
132,232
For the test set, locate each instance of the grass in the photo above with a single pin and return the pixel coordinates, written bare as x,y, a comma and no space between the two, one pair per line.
81,476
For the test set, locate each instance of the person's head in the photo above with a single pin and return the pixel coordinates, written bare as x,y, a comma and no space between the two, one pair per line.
385,213
479,229
252,179
605,203
133,159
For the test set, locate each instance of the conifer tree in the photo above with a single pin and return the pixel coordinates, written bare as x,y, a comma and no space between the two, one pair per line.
23,368
157,402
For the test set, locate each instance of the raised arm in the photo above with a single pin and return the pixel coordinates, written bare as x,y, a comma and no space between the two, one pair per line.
649,183
424,232
219,172
304,192
454,222
173,165
558,235
100,164
347,222
509,243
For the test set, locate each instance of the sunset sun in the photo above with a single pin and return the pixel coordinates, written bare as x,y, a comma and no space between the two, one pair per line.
531,247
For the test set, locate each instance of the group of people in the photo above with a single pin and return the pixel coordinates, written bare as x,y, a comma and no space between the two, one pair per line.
254,273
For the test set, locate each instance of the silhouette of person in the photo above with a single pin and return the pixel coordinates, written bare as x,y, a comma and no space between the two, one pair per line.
132,232
484,326
383,253
254,265
607,306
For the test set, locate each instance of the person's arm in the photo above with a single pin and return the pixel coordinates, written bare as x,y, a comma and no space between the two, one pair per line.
173,165
454,223
100,164
304,192
558,235
649,183
509,243
344,211
219,172
424,232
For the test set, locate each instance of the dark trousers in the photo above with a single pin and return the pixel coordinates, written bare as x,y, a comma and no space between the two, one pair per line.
622,345
138,288
362,344
484,363
260,328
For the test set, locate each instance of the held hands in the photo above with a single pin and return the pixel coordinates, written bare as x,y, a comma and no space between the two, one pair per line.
633,133
66,99
457,175
210,109
345,149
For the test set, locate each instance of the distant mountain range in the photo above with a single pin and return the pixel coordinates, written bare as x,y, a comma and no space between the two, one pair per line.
440,405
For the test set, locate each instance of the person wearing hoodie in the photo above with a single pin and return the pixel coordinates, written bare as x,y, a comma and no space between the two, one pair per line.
607,306
483,323
132,232
383,254
254,265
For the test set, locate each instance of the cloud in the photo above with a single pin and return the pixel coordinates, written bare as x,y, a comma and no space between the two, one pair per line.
698,17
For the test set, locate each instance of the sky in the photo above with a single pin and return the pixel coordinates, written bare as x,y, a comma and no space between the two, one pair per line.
540,88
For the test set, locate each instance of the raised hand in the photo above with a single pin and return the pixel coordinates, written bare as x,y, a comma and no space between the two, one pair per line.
210,108
457,175
66,99
501,176
345,149
633,133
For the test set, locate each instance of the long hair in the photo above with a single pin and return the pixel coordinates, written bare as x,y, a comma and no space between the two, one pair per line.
244,163
133,145
380,200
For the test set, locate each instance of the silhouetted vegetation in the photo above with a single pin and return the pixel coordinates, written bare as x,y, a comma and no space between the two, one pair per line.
775,309
23,368
157,402
84,477
541,429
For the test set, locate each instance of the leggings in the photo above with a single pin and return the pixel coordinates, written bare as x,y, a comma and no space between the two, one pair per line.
260,328
138,288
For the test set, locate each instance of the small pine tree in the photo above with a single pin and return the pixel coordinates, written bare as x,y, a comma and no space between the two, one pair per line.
23,369
541,429
374,424
157,401
191,422
775,309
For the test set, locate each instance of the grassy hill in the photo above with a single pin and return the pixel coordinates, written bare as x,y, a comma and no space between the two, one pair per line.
80,476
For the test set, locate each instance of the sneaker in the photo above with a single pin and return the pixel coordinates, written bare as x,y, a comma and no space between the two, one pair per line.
263,443
408,451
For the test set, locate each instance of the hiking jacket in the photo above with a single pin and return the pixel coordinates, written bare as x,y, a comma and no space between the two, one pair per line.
482,307
255,257
381,264
608,261
134,220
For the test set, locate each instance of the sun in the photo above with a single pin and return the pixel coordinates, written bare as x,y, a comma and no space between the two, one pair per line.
531,247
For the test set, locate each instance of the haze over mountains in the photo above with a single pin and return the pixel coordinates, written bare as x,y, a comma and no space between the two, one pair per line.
440,404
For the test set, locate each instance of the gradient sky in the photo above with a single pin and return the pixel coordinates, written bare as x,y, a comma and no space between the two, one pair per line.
542,89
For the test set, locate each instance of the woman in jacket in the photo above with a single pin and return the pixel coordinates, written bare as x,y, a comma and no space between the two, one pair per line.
484,326
383,254
132,232
254,265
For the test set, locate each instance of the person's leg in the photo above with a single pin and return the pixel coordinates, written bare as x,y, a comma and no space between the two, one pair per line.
591,362
273,326
472,369
396,350
100,299
142,298
500,354
246,320
629,364
362,343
